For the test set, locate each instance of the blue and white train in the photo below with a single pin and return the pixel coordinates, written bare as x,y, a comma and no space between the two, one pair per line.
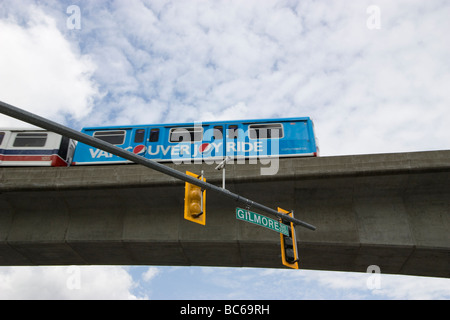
178,142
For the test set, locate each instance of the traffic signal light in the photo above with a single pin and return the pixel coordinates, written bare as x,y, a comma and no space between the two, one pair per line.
289,254
194,201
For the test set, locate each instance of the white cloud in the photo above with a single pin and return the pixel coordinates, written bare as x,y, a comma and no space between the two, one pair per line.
41,71
65,283
151,273
368,90
348,285
273,284
210,283
414,288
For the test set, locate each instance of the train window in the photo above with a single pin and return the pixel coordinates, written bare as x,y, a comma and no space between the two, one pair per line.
154,135
30,140
266,131
139,136
113,137
2,134
191,134
233,132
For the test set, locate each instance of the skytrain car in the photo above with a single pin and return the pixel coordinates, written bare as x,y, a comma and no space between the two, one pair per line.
206,141
34,147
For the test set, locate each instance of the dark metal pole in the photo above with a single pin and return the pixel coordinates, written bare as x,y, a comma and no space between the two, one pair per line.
41,122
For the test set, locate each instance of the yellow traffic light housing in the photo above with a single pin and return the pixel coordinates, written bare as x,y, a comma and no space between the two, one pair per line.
194,201
289,254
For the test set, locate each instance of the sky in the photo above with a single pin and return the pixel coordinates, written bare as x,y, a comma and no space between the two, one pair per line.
373,75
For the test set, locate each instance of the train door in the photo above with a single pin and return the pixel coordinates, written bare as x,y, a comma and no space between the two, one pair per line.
212,146
235,141
154,142
139,141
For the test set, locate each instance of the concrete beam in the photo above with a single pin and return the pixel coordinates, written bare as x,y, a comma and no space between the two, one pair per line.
390,210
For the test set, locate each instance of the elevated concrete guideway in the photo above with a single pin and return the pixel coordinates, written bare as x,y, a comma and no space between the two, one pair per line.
389,210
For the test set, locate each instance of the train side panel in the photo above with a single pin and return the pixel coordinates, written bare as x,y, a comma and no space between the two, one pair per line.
21,147
85,154
208,141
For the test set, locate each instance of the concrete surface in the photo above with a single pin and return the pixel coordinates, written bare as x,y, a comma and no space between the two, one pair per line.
390,210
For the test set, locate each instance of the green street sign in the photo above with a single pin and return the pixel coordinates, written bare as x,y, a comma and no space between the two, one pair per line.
260,220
